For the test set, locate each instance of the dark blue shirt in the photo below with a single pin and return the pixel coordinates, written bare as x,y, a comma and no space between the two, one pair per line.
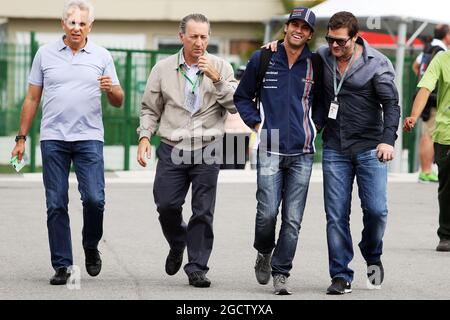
369,110
285,110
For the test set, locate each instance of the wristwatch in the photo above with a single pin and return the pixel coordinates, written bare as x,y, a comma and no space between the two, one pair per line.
20,137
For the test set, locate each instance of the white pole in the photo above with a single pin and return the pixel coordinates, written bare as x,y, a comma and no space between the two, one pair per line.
416,34
268,32
396,165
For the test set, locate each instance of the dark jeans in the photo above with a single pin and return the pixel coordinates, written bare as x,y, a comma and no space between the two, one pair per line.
339,172
171,185
281,179
87,157
442,156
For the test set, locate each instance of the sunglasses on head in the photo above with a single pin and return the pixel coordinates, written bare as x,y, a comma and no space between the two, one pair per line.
340,42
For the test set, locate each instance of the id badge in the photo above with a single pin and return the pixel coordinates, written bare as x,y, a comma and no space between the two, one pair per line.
190,101
334,107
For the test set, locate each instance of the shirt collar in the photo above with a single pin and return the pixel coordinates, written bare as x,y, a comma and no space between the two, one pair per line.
368,51
440,43
180,59
61,44
306,52
87,48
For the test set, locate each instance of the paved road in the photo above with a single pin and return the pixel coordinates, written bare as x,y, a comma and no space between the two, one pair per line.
134,250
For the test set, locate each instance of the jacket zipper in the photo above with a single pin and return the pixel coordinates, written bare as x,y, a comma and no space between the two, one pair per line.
289,111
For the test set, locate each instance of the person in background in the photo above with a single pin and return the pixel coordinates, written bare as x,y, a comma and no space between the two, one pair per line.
439,44
237,137
438,76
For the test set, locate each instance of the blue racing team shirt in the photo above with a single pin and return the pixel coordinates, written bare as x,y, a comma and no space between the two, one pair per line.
71,92
285,111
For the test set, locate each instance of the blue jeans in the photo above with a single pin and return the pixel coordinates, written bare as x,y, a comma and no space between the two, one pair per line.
339,172
87,157
286,179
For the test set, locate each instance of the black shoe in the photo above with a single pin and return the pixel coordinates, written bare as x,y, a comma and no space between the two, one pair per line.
375,275
60,277
443,246
339,286
93,262
198,279
173,262
263,270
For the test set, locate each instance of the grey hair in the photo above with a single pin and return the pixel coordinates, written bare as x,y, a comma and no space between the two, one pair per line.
197,17
82,5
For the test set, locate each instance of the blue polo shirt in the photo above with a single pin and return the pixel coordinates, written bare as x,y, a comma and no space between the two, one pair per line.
72,108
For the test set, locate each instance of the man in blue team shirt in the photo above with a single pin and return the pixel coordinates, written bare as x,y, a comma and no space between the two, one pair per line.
286,135
72,73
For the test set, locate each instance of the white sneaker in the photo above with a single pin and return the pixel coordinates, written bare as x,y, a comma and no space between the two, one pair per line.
280,285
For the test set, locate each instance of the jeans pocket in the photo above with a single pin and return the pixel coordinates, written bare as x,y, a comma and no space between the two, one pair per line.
370,158
368,155
268,164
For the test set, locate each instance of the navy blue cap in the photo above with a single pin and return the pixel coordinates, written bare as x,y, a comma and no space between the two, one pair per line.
305,14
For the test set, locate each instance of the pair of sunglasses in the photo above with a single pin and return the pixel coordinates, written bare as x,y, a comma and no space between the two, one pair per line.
340,42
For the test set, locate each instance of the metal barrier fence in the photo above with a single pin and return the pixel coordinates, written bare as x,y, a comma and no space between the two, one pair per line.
410,140
14,69
133,68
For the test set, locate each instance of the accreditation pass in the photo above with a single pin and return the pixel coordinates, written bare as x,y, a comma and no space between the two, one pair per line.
334,107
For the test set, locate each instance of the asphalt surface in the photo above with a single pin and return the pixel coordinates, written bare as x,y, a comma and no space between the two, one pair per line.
134,250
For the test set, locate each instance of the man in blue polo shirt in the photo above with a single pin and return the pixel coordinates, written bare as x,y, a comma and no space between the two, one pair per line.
72,73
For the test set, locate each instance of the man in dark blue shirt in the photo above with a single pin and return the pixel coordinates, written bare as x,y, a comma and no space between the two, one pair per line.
286,149
359,137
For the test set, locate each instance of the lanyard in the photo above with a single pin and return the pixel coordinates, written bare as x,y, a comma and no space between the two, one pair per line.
194,84
337,88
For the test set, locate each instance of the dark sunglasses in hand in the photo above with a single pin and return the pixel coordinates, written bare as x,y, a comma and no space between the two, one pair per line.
340,42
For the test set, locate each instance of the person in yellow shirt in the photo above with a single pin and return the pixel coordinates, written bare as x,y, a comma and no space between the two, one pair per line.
438,75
